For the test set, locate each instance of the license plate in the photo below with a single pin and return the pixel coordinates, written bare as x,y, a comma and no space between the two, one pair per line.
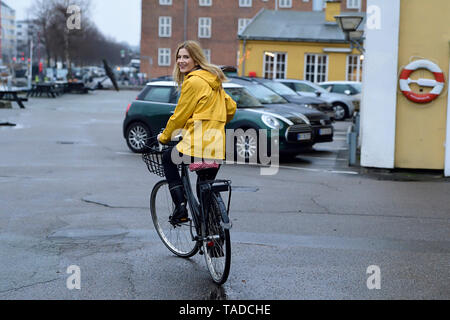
303,136
325,131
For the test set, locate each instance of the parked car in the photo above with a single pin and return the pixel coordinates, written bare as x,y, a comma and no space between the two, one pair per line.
319,121
349,88
293,97
149,113
343,105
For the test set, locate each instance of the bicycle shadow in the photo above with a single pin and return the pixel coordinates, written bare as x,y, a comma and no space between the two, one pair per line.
217,293
213,291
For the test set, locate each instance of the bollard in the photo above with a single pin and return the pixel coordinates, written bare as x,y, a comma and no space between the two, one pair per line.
352,140
352,145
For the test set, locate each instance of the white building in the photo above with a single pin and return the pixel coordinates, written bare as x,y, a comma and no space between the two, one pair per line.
25,32
8,32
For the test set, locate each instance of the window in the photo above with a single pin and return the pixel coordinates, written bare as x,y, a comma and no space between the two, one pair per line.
204,27
285,3
354,67
207,53
165,27
302,87
242,23
245,3
274,65
353,4
159,94
316,67
165,2
205,3
243,98
318,5
343,89
163,57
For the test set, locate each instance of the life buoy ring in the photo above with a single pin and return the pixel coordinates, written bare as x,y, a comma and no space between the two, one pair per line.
437,84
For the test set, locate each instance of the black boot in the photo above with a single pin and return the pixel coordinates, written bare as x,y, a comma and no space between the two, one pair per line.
180,214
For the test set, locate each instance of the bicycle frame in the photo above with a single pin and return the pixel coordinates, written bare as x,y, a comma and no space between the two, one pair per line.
206,188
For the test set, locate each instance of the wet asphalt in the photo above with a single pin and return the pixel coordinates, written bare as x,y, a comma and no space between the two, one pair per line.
71,193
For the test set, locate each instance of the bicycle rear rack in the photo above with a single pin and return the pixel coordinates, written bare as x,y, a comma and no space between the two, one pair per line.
218,186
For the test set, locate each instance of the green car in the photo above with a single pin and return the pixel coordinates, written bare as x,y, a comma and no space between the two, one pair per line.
149,113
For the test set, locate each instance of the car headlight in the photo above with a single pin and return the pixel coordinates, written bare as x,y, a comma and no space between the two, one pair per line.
310,106
270,121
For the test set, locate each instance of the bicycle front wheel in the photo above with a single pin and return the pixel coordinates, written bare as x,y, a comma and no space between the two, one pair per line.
217,245
178,239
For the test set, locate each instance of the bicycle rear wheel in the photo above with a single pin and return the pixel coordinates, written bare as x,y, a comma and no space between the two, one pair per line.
178,239
217,246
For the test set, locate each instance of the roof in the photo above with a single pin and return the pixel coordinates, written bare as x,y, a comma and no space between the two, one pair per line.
5,5
299,26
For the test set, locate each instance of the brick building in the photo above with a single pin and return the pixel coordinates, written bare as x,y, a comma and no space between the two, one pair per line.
214,23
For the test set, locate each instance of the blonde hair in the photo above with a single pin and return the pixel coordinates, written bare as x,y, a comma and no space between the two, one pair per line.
196,53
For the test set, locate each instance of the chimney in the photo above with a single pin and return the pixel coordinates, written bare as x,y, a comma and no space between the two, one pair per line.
333,8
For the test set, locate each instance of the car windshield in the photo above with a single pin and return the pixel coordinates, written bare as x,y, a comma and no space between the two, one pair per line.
243,98
279,88
357,86
265,95
315,87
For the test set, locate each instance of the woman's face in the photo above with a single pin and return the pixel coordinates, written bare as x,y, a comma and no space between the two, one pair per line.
184,61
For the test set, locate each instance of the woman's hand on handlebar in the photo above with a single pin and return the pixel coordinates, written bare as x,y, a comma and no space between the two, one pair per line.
160,145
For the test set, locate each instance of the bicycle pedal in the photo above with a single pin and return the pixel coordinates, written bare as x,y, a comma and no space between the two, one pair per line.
179,223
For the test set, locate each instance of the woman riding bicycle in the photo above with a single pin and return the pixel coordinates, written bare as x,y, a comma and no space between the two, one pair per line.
202,112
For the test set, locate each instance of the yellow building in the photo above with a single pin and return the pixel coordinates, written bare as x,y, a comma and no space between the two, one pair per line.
298,45
404,124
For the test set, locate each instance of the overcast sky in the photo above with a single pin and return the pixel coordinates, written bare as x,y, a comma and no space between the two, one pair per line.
120,19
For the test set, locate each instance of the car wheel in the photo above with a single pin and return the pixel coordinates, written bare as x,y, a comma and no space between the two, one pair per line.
340,112
246,148
137,137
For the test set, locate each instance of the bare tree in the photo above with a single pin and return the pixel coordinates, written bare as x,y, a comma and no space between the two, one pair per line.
86,45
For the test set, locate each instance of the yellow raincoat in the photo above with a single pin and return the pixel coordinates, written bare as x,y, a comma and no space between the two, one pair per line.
202,112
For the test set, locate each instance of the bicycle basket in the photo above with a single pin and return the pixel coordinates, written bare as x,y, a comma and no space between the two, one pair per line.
153,159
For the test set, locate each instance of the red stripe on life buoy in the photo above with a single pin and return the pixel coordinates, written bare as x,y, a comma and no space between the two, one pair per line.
439,77
420,98
405,74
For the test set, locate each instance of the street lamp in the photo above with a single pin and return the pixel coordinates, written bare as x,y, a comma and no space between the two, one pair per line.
349,25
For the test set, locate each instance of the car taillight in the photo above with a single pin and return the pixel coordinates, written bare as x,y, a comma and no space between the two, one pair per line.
128,109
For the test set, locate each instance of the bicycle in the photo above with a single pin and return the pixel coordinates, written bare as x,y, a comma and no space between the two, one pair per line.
208,228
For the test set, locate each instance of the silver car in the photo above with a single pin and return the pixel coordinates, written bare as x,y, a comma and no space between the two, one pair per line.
350,88
343,105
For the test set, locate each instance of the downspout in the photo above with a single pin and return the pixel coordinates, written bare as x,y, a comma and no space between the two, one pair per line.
243,56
